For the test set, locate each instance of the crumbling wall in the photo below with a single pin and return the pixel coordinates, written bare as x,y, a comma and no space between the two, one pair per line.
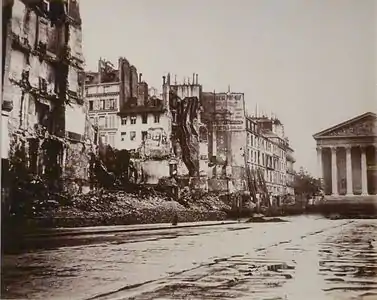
198,184
186,133
218,185
154,170
76,166
40,80
156,144
203,150
238,152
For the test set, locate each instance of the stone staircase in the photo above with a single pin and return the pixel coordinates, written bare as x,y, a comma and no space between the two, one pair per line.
349,206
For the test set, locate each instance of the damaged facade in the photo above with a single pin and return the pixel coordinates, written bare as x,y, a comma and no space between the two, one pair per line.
189,135
224,115
130,118
44,119
163,134
240,145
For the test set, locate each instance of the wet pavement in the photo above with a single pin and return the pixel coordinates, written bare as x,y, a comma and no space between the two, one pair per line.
305,258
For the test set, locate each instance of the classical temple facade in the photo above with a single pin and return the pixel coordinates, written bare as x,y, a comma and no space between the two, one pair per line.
347,158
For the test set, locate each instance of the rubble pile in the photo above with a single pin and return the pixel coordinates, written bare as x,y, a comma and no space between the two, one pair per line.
145,206
202,201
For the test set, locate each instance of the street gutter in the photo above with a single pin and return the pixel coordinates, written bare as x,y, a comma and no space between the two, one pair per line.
56,232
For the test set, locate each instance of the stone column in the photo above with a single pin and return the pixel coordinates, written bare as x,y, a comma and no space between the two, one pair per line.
334,172
349,171
364,183
319,162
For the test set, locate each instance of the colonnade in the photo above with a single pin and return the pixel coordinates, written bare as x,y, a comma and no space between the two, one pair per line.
349,173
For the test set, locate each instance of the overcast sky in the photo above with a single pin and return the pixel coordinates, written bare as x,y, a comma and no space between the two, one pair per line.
312,62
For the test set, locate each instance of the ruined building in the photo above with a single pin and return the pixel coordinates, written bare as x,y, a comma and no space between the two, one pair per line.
129,117
239,143
224,115
189,135
119,103
45,131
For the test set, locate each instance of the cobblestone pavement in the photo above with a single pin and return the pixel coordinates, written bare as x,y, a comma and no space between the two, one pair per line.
305,258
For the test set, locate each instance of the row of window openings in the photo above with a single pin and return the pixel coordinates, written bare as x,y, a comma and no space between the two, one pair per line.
265,145
144,119
110,121
105,89
251,125
144,135
274,177
266,160
105,121
228,97
103,104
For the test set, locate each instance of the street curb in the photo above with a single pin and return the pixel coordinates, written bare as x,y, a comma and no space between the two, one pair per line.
57,234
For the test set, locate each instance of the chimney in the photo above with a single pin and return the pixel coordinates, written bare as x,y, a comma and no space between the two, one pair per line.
140,74
100,70
197,82
193,78
163,80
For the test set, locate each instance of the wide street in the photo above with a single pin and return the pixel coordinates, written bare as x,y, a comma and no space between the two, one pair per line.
308,257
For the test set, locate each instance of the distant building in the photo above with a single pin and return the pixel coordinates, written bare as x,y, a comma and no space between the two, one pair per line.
273,147
290,177
347,163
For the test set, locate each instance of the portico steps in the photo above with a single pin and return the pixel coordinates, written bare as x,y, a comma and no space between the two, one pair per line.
350,206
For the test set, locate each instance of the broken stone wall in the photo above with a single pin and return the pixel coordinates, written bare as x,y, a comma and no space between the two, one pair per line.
217,185
185,132
203,158
224,115
76,166
198,184
125,78
156,144
154,170
238,146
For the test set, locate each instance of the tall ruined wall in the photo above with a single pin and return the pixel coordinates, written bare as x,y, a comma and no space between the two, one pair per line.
186,132
224,115
47,119
129,83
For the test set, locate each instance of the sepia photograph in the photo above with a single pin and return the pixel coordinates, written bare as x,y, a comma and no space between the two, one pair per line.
199,149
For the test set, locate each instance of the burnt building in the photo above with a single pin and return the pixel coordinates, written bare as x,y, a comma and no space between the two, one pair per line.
44,118
224,115
120,105
189,134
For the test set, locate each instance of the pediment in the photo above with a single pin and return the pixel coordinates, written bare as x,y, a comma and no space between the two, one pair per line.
361,126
